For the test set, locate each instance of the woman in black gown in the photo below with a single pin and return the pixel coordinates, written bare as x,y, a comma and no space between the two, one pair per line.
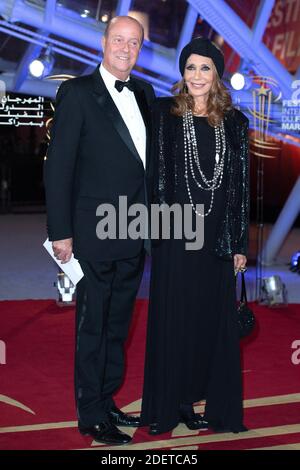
192,350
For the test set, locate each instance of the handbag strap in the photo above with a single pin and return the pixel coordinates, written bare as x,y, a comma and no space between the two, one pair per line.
243,298
243,290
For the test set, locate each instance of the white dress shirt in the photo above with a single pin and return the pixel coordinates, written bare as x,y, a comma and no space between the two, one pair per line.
129,110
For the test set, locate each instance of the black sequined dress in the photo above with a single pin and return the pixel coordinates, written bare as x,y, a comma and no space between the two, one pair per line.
192,350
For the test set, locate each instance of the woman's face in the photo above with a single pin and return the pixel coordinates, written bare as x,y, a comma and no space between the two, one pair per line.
199,75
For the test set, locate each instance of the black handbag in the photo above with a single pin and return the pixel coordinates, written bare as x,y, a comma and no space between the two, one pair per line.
246,318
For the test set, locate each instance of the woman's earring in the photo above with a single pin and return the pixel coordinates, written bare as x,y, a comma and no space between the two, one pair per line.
185,88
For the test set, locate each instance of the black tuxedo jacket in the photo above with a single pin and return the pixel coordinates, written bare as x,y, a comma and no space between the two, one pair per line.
92,160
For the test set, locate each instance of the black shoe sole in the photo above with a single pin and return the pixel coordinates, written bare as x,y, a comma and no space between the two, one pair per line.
127,425
156,433
110,443
196,429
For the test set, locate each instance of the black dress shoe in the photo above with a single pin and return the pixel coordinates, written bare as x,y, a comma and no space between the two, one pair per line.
193,420
218,428
153,429
106,433
121,419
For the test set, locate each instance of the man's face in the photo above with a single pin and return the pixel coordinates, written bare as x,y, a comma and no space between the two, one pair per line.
121,47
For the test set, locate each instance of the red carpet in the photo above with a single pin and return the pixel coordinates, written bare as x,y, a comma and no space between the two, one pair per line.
36,389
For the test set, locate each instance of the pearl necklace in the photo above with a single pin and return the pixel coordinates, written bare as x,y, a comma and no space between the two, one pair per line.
191,159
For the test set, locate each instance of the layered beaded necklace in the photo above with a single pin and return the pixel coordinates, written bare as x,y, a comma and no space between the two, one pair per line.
191,160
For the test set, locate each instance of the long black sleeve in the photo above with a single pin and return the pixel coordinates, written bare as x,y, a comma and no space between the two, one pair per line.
243,218
61,160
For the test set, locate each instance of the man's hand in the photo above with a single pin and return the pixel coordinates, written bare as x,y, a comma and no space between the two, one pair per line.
63,249
239,262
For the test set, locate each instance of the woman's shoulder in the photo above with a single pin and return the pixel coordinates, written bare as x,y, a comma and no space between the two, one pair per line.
236,116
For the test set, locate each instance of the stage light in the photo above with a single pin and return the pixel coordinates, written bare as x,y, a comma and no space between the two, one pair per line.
36,68
237,81
104,18
43,65
274,292
85,13
65,288
295,262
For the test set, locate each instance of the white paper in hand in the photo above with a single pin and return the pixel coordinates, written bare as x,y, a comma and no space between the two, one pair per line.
72,268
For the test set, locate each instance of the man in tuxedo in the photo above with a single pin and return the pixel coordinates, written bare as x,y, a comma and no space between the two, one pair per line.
99,150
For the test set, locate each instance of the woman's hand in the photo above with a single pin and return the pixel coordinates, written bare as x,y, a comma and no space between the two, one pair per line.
239,262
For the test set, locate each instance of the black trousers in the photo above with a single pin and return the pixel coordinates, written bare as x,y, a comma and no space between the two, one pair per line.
105,301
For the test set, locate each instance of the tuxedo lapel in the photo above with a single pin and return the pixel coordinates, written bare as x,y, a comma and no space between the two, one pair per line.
107,104
141,100
142,104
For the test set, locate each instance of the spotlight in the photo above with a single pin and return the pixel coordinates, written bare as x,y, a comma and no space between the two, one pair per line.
36,68
42,66
104,18
66,289
85,13
237,81
295,263
274,292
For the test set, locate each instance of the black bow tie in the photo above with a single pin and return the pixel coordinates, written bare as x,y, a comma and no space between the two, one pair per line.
119,85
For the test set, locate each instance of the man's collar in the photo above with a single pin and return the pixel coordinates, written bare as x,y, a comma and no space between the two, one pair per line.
108,77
